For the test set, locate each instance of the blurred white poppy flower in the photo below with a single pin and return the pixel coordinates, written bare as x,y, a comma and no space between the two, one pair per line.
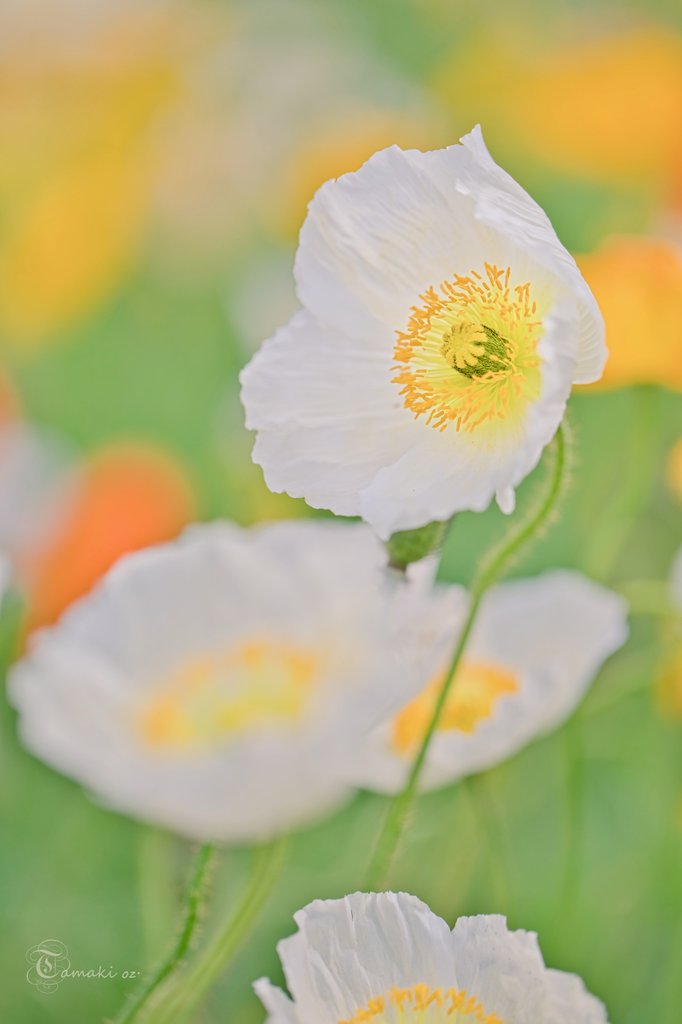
442,327
38,482
5,575
220,684
385,958
536,647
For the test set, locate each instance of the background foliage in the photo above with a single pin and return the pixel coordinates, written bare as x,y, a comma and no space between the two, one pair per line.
158,162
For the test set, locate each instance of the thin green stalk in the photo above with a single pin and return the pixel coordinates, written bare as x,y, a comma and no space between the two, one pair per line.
492,567
196,892
183,997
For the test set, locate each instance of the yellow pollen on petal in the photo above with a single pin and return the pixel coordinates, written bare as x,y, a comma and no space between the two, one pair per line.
423,1005
472,699
214,698
469,357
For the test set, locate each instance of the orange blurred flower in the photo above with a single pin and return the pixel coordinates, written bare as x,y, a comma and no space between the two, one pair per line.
129,497
638,285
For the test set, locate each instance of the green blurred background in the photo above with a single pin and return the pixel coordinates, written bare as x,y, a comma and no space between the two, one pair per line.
157,160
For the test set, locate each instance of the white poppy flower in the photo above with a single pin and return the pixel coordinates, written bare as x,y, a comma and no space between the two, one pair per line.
385,958
219,685
442,327
536,646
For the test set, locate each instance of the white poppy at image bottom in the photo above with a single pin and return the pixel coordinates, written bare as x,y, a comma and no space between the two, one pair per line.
385,958
219,685
536,647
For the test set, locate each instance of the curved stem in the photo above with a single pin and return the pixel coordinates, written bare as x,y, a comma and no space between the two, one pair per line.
189,991
196,892
492,567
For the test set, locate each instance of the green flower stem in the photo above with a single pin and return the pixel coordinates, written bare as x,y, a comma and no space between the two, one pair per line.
183,996
494,564
155,886
196,892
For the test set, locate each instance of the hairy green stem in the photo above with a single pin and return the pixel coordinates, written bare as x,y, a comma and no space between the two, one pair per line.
492,567
183,997
196,892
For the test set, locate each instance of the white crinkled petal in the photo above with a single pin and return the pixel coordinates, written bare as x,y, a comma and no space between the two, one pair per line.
503,969
327,415
503,204
569,1001
332,429
350,951
332,426
374,240
349,955
280,1008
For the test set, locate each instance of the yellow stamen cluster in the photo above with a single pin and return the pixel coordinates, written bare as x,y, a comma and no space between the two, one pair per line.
421,1002
223,694
474,693
468,356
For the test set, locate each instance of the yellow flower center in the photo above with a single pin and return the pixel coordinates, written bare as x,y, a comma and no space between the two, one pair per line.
223,695
473,695
469,354
422,1004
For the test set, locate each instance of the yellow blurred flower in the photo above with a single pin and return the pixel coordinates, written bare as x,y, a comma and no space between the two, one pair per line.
83,125
638,285
607,108
673,470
